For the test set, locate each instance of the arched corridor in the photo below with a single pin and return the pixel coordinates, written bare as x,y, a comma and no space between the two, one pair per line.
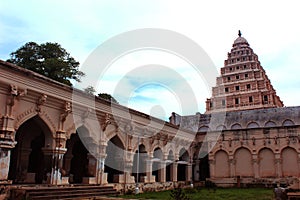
182,165
114,162
76,158
28,163
158,165
139,168
169,166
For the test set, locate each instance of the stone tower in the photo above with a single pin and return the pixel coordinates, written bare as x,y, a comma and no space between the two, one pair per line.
243,84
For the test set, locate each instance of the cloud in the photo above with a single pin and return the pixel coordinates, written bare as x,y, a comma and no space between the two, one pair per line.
269,26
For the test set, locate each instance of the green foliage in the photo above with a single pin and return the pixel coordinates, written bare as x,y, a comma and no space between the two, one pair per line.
48,59
90,90
108,97
178,194
219,194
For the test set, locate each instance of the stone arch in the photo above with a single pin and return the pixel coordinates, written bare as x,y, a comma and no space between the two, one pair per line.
288,122
76,161
266,163
203,129
79,124
289,162
169,164
270,124
236,126
253,125
243,162
182,174
121,137
30,160
114,162
142,156
222,169
155,146
156,164
30,113
221,128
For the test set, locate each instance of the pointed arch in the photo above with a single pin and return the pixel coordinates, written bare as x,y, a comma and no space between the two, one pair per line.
27,158
289,162
29,114
222,164
266,163
243,166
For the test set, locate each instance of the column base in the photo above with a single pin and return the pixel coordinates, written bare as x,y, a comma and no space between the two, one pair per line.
102,178
123,178
147,179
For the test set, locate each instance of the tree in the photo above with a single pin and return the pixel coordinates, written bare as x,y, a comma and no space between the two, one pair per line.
48,59
90,90
107,97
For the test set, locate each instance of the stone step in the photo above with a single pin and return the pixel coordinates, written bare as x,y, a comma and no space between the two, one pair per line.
65,192
71,195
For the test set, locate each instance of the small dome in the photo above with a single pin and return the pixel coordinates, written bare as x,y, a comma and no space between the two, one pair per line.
240,39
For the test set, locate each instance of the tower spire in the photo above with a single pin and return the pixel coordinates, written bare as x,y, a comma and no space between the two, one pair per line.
240,34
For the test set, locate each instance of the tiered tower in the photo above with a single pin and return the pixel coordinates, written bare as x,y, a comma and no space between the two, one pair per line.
243,84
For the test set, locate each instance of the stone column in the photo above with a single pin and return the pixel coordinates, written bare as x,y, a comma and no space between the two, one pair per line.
196,170
4,163
100,155
101,177
150,177
128,170
7,142
189,172
57,171
162,172
174,171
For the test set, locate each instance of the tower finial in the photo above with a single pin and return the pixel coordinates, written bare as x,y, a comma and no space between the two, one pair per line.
240,34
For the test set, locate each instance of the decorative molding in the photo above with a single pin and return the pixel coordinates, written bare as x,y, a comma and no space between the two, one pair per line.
40,101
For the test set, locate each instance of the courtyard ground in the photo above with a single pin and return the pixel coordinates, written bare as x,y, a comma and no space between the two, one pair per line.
210,194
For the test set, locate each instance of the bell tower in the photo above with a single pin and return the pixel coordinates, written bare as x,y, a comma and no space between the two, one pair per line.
243,84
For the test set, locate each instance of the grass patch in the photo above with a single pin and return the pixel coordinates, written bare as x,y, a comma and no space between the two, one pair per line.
218,194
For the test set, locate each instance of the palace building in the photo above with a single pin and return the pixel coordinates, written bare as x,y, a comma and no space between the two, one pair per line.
249,136
54,134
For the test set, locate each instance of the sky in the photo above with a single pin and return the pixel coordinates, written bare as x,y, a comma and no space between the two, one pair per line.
271,28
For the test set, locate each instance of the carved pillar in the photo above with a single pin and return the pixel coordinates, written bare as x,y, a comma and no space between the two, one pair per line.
150,177
189,171
7,140
196,170
57,172
6,144
128,167
101,177
174,172
162,172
